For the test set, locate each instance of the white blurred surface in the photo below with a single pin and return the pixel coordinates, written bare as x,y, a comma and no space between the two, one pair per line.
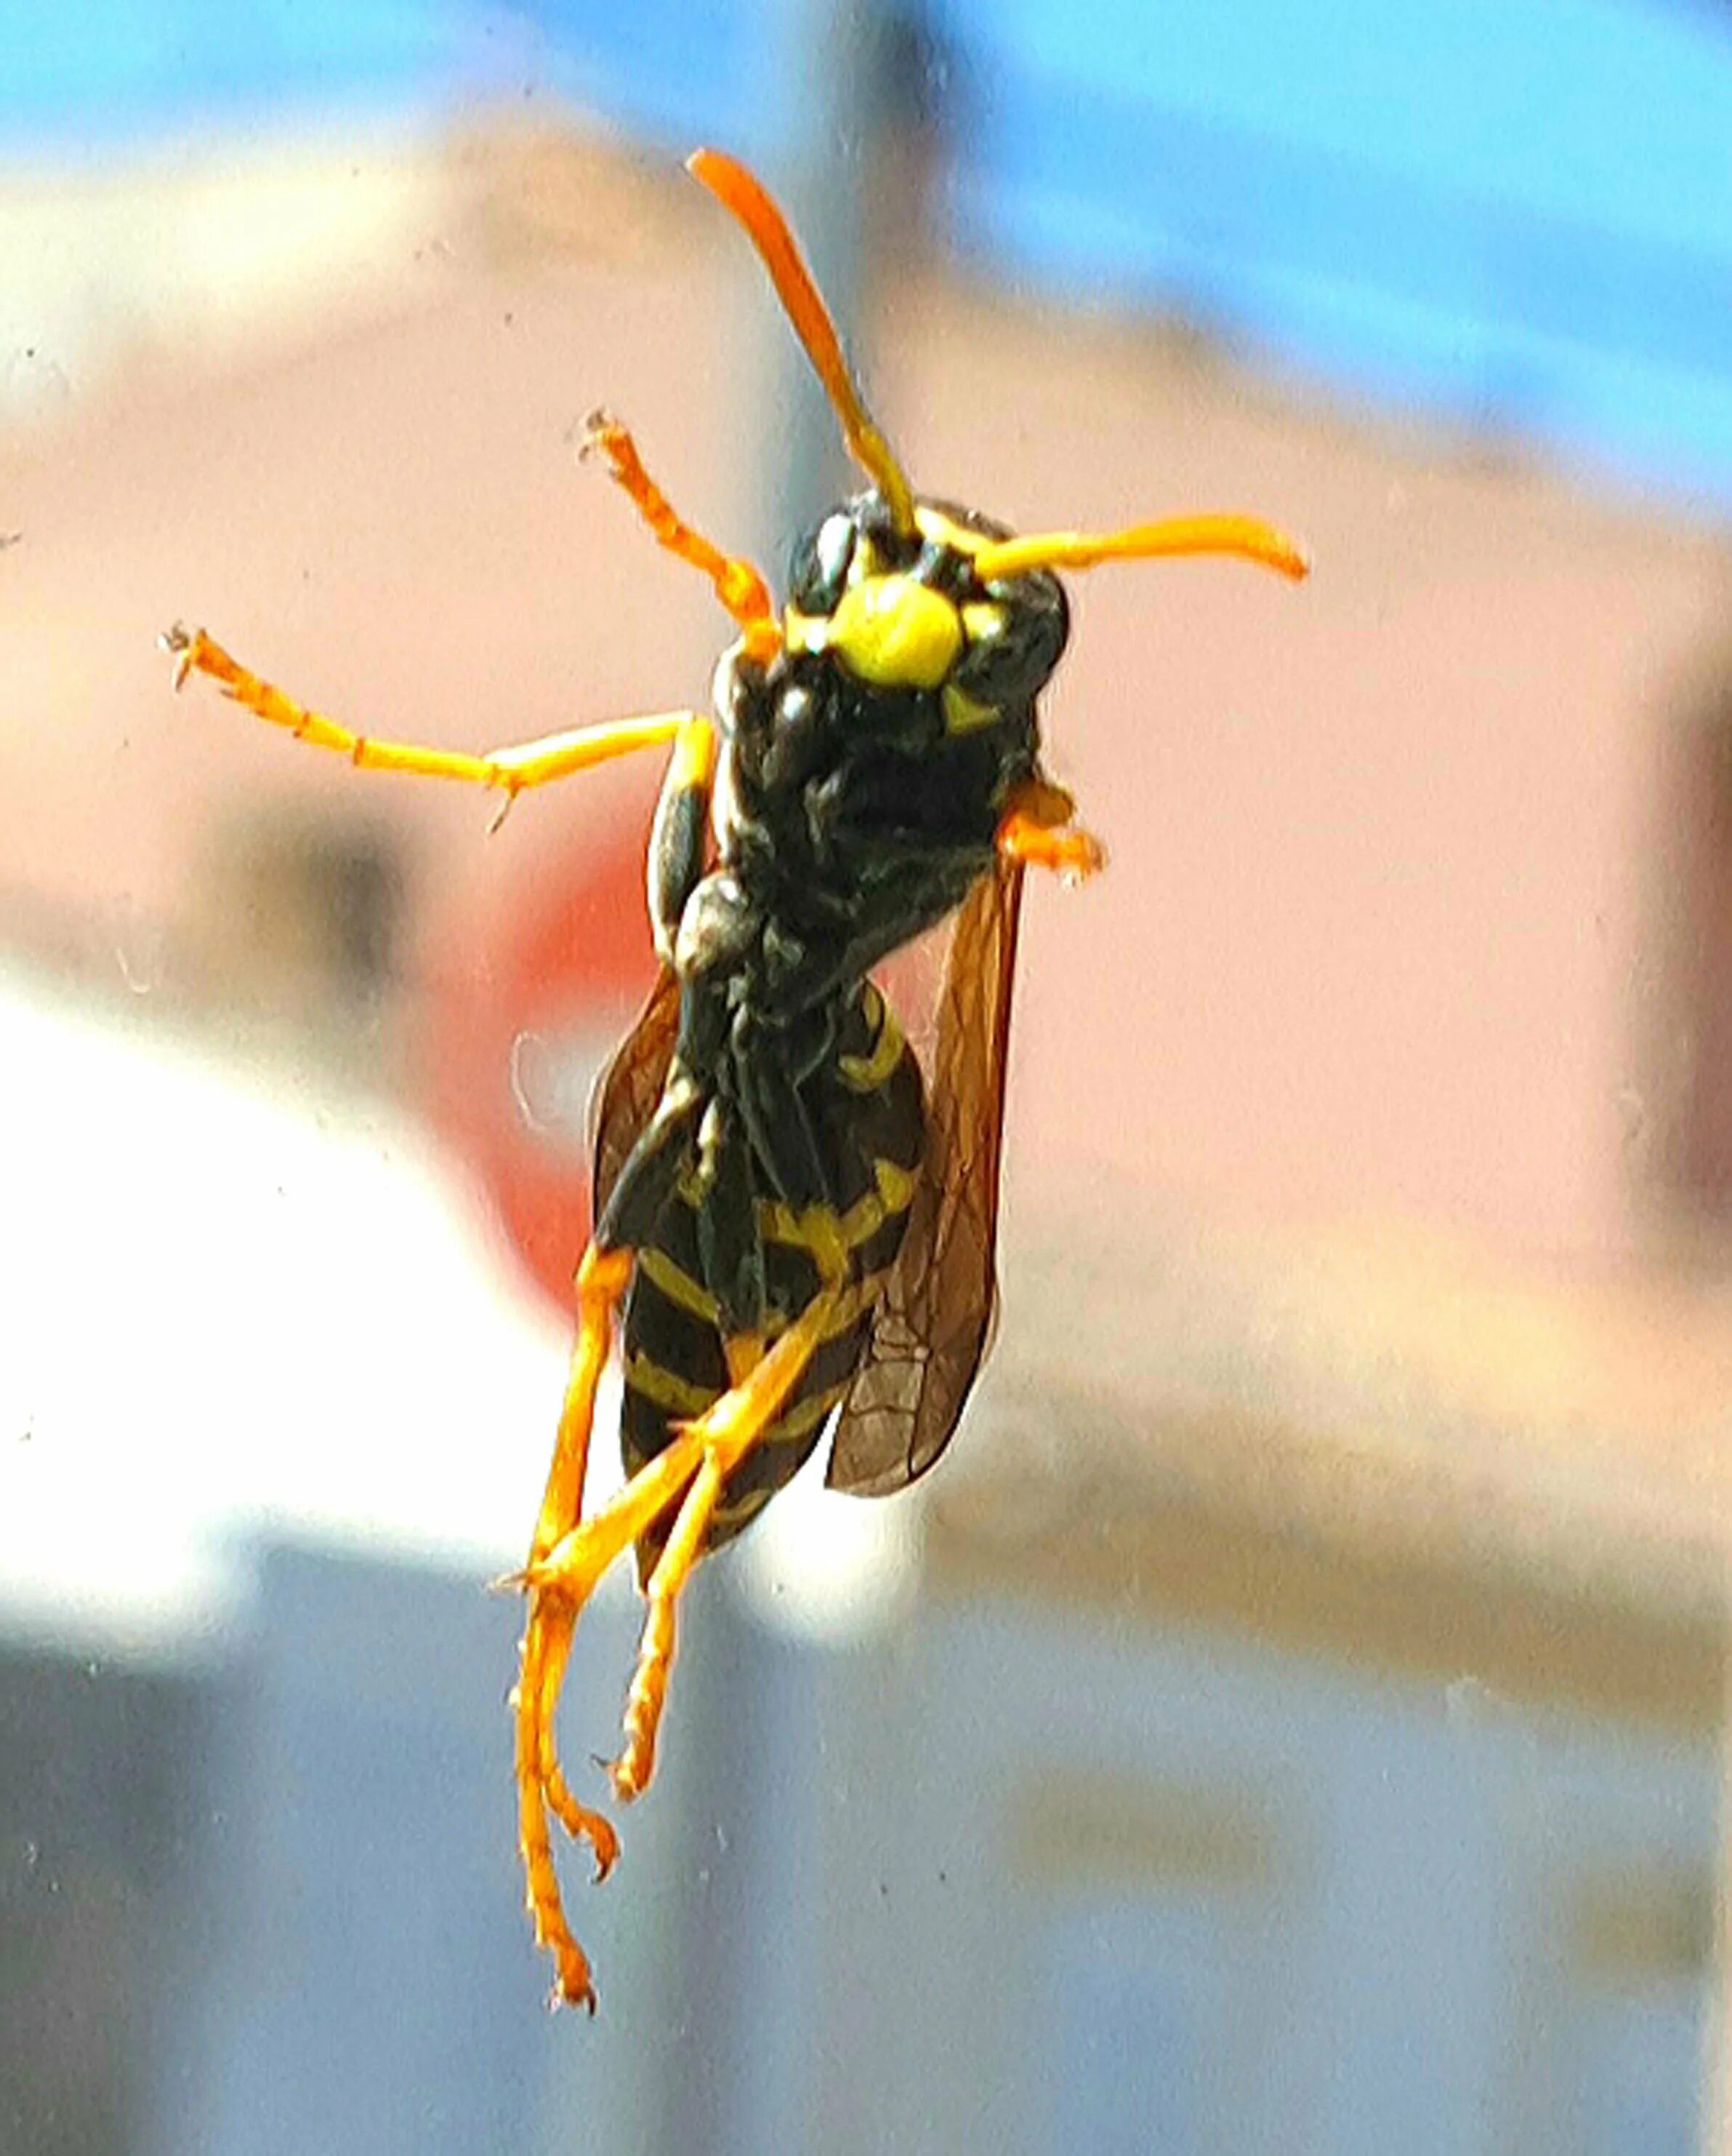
226,1309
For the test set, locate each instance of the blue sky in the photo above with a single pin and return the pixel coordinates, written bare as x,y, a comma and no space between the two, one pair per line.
1516,214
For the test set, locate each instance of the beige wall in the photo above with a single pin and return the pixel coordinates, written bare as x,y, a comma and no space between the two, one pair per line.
1390,917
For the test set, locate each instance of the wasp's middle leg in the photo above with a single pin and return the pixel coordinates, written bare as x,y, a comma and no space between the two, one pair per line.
1037,832
690,1471
603,1278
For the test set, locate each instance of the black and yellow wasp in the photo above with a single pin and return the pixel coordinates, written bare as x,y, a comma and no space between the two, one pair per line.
794,1227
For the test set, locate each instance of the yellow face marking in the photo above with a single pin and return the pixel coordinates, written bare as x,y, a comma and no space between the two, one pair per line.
963,714
895,633
983,619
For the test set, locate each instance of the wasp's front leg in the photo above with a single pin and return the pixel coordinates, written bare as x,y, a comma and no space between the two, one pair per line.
513,771
1036,831
740,587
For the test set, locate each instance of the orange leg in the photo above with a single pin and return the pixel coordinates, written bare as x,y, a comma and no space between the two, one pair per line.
561,1577
728,1429
761,1383
546,1646
740,587
542,1787
1037,831
603,1278
512,770
631,1772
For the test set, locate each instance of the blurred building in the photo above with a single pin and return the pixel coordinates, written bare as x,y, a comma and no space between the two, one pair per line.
1295,1722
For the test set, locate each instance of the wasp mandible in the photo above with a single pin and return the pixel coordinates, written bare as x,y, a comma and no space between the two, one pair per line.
794,1225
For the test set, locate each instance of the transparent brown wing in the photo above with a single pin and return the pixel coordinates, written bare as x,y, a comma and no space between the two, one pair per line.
934,1320
630,1087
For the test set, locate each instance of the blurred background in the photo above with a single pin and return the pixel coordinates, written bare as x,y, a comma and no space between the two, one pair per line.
1292,1717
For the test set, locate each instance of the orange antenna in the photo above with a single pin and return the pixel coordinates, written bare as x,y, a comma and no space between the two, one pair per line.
1246,536
736,189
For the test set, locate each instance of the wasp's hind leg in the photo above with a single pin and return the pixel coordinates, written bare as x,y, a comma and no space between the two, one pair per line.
556,1603
602,1277
1036,832
689,1472
761,1382
561,1582
631,1772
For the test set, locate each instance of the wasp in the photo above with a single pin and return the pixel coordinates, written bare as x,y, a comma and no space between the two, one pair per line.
794,1224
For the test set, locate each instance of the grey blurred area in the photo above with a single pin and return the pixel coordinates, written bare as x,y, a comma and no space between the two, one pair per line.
1292,1717
1007,1870
99,1823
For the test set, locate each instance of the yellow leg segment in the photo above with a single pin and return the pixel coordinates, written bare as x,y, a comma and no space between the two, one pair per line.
740,587
546,1646
1036,830
602,1280
512,770
729,1430
762,1383
631,1773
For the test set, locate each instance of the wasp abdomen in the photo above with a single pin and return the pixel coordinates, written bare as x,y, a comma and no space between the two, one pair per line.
683,1343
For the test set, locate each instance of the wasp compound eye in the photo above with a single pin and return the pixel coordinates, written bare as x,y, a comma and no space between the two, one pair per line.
1014,642
818,574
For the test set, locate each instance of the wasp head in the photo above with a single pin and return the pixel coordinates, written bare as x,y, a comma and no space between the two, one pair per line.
912,594
898,602
909,610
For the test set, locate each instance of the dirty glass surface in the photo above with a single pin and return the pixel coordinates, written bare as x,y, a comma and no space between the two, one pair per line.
1290,1714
